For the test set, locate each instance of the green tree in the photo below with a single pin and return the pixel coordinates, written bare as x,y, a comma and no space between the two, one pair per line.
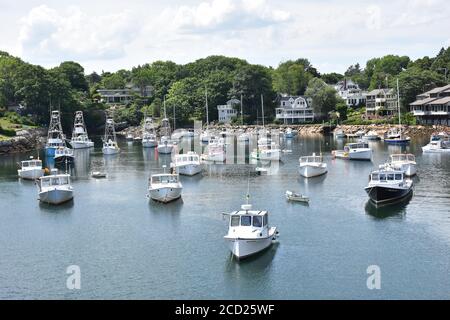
74,73
332,78
324,97
292,77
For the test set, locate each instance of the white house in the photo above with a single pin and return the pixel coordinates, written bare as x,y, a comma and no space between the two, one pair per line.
295,109
350,92
123,96
228,111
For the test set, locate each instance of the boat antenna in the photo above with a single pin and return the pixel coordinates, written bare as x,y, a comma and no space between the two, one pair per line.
248,187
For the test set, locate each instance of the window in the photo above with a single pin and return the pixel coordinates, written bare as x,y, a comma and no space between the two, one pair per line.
234,221
382,177
375,176
246,221
266,220
390,177
257,221
398,177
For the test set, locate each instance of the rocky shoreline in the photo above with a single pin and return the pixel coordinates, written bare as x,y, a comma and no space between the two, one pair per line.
313,129
25,140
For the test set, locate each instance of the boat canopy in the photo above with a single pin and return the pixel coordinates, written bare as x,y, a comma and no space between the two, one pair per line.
249,220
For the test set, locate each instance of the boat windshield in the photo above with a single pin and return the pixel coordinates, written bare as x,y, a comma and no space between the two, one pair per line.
383,177
246,221
234,221
54,181
257,221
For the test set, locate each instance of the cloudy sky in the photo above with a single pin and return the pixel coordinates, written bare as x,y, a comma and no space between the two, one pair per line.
109,34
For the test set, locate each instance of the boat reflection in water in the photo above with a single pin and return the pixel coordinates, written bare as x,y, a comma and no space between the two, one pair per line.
390,210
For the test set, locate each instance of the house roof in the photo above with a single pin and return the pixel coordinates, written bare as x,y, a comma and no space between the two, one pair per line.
438,90
422,102
287,98
443,100
378,91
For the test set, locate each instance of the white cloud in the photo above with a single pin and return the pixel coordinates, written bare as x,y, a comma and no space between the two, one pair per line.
373,21
227,15
47,34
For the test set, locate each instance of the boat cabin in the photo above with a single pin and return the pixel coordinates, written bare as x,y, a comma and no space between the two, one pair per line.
403,158
311,159
110,143
187,158
386,176
31,164
54,180
356,145
164,178
255,219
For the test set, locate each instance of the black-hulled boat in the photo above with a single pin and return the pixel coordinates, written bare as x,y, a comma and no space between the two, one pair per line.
388,185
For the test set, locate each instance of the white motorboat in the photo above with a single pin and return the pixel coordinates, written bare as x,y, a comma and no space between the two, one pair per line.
249,232
404,162
165,187
388,185
395,136
55,136
289,133
371,135
64,155
339,133
439,143
312,166
358,151
179,134
98,174
294,196
148,134
269,151
110,145
215,150
55,189
129,137
80,138
187,164
165,145
31,169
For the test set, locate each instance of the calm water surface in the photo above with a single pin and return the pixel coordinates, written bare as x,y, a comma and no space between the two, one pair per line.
128,247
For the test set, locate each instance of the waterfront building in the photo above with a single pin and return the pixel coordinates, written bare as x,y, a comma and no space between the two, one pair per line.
382,101
432,107
123,96
351,93
295,109
228,111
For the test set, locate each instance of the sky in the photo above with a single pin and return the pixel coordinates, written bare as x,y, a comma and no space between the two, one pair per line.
108,35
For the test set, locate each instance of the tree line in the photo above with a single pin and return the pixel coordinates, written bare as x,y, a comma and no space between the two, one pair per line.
183,87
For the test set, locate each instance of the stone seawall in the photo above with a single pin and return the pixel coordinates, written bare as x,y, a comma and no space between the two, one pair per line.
25,140
311,129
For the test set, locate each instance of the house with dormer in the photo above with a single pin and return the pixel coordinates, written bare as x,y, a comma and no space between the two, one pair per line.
294,109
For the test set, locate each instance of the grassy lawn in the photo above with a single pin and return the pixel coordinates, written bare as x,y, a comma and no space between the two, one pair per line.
6,124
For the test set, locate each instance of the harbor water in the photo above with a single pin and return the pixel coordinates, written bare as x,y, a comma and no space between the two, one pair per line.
128,247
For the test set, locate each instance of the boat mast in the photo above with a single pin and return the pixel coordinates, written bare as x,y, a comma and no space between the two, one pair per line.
242,115
262,109
399,112
206,106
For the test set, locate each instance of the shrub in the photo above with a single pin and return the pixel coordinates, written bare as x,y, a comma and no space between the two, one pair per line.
7,132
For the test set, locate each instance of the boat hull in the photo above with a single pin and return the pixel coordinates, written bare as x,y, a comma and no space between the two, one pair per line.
189,169
165,149
32,174
360,155
397,141
216,157
165,194
387,194
81,145
272,155
428,149
408,168
244,248
149,143
56,196
50,151
309,171
110,151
